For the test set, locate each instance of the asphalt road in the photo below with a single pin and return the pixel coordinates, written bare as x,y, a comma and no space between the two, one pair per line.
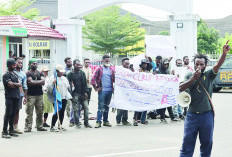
152,140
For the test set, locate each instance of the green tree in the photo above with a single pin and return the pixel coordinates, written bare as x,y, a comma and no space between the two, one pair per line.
18,7
106,31
207,38
223,40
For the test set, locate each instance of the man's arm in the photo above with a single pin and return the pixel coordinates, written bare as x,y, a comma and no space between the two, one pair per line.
35,82
190,81
226,49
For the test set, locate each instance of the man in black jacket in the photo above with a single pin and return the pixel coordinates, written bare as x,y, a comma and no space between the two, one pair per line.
78,82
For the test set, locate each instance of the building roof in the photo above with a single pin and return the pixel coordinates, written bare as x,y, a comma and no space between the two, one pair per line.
34,29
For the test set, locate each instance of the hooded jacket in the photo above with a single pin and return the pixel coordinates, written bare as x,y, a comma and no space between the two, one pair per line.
161,70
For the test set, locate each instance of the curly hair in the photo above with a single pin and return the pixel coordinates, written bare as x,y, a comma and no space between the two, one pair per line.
200,56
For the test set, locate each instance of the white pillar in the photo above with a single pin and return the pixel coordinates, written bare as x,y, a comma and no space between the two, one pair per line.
72,29
25,48
183,28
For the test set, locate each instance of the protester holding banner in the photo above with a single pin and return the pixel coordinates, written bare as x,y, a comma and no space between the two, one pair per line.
141,115
64,87
122,115
102,81
77,79
200,115
35,81
164,69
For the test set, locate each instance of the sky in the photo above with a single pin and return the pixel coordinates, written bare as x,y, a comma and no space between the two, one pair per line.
206,9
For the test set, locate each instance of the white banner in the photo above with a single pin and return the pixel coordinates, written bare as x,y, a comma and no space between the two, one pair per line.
139,91
159,45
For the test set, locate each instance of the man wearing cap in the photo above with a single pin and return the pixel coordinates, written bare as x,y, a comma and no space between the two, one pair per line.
63,86
78,80
48,107
12,98
141,115
23,92
35,81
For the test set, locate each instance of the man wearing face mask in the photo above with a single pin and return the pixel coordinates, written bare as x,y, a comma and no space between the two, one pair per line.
164,69
77,79
200,115
102,81
12,98
35,81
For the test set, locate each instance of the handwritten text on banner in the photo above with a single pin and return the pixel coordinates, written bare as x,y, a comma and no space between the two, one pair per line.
138,91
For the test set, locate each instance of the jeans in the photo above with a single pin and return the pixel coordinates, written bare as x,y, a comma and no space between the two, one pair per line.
104,98
177,110
143,116
122,115
89,94
76,109
162,112
202,124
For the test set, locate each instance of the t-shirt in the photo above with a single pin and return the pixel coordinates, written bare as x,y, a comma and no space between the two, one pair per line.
106,79
11,92
199,99
37,89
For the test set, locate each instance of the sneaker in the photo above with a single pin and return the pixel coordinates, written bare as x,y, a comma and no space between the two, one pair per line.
46,125
107,124
41,129
27,130
5,135
88,126
17,131
126,123
71,124
145,122
163,121
80,123
98,125
53,129
62,129
118,123
175,119
78,126
13,134
135,123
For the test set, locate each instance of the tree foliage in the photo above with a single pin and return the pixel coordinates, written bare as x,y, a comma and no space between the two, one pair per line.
18,7
106,31
207,38
223,40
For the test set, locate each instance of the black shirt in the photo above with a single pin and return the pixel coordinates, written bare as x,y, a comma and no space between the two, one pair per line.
11,92
34,90
199,99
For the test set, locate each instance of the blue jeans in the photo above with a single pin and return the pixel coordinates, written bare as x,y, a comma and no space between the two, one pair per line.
122,115
143,116
104,98
203,124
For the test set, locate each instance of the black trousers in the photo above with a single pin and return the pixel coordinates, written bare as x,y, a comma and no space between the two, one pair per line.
61,113
89,94
162,112
10,111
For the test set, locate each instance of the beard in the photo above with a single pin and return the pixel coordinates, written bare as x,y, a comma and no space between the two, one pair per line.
33,68
69,66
